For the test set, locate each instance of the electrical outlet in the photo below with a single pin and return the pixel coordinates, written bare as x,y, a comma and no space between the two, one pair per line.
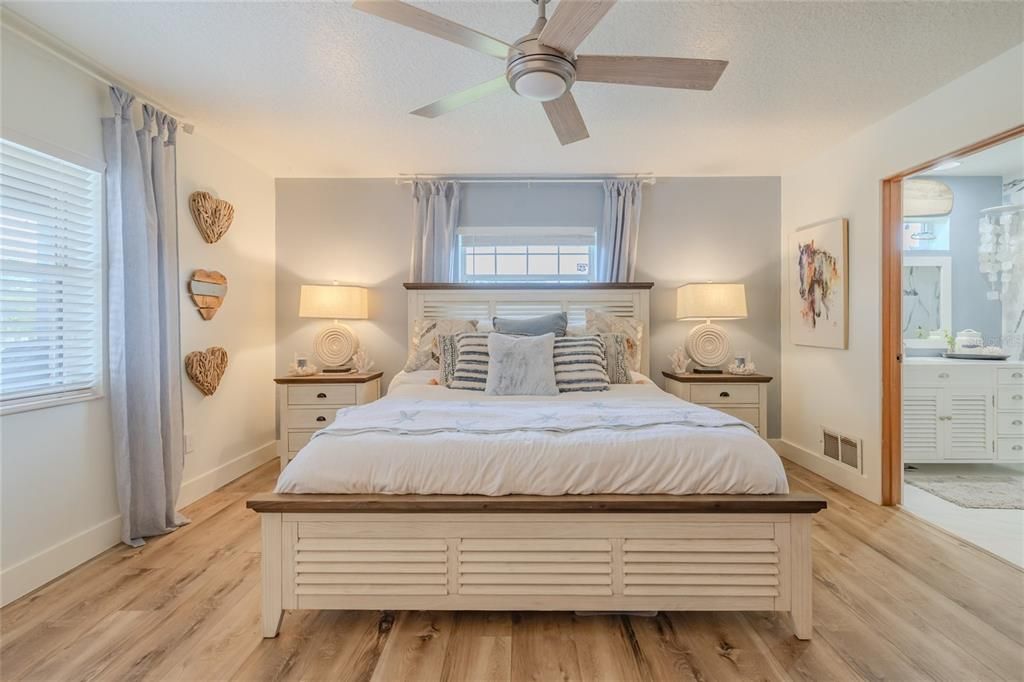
188,443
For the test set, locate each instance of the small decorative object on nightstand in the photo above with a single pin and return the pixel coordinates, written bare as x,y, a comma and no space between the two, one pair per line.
335,344
744,397
708,344
308,404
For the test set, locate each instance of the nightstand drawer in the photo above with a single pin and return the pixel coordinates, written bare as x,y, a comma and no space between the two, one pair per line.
747,414
298,439
323,394
724,394
310,418
1010,398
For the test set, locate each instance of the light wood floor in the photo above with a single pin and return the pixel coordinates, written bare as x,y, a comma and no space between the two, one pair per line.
893,599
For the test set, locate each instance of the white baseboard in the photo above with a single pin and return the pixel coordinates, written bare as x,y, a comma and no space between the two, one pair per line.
41,568
207,482
854,481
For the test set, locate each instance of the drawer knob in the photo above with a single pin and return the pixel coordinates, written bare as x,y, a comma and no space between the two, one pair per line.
1017,448
1018,397
321,418
1017,422
943,375
1017,375
321,395
723,394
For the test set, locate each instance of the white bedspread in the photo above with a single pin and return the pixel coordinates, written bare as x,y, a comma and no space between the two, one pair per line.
633,439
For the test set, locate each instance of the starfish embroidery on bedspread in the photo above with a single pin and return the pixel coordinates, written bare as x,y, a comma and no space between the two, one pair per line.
546,418
406,416
598,405
465,424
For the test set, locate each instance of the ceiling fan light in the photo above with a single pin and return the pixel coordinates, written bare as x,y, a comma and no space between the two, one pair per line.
540,86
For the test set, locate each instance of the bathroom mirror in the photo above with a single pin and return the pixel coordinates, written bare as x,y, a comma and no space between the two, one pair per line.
927,300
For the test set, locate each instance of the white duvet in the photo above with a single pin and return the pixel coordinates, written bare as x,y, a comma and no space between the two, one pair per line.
632,439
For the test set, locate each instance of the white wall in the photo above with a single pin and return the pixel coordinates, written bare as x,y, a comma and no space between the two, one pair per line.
59,505
842,389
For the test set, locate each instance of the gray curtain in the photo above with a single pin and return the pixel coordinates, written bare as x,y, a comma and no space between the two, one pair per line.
143,333
435,214
617,240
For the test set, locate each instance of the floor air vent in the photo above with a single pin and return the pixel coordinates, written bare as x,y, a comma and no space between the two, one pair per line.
842,449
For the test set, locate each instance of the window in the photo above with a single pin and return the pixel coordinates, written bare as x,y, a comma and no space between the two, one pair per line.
50,279
525,254
926,234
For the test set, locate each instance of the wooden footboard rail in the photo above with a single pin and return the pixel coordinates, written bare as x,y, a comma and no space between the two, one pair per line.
568,553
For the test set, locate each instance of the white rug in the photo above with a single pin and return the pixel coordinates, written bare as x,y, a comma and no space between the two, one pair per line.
972,491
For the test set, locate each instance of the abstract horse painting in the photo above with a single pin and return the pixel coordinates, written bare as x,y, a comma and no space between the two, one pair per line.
818,295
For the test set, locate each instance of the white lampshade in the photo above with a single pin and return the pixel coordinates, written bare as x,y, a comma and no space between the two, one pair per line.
333,301
711,301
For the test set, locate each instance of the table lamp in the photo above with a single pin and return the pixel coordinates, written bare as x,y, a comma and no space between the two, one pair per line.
335,344
708,344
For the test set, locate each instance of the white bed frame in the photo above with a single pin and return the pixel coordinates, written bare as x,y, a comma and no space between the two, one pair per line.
573,552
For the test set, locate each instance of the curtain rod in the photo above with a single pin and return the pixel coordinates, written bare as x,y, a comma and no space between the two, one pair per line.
69,55
645,178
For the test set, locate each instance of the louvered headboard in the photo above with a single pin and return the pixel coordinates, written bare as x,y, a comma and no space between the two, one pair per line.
482,302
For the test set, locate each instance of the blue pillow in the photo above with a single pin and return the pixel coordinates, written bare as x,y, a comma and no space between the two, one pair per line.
555,323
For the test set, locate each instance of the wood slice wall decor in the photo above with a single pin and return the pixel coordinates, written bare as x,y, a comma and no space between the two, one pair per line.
205,368
212,216
208,289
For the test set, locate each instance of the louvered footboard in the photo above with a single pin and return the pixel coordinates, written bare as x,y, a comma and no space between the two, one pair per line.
572,559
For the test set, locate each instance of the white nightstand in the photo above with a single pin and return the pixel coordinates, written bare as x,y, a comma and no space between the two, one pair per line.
744,397
307,404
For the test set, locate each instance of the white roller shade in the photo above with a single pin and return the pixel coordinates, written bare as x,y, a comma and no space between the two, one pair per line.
523,236
50,277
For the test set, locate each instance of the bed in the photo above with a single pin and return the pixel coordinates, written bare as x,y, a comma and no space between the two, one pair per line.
628,500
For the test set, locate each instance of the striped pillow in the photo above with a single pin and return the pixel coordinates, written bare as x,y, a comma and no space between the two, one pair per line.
580,364
471,364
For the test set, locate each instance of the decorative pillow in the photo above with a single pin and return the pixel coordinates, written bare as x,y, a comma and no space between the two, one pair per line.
616,358
579,364
555,323
447,356
521,365
471,362
423,351
599,322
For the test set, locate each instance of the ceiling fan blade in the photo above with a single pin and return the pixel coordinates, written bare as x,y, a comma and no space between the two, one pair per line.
660,72
459,99
573,21
566,119
424,21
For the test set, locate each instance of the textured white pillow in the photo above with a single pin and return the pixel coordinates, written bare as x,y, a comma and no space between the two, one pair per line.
602,323
423,350
521,365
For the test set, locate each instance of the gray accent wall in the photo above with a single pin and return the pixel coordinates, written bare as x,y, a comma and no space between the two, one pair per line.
358,231
971,307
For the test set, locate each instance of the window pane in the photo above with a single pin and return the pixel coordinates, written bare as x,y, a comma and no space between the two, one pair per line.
512,249
543,264
483,265
574,249
577,265
550,248
512,264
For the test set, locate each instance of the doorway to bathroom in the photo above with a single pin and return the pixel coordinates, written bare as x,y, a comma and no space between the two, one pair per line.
953,343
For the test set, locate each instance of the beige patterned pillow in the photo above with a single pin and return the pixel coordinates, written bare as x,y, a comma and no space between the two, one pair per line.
603,323
423,348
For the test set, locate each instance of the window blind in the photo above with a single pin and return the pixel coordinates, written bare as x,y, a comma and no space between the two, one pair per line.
50,277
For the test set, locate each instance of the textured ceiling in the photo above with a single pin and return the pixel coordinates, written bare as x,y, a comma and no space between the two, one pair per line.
319,89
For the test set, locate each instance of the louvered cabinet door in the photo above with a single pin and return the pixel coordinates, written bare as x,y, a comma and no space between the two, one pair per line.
969,425
922,426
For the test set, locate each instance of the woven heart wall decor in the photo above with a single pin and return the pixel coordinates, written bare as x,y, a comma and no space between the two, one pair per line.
208,289
212,216
205,368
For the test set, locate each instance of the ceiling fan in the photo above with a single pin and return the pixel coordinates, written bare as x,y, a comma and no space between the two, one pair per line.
543,66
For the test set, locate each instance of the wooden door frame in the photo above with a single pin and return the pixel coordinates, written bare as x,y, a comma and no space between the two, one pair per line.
892,312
